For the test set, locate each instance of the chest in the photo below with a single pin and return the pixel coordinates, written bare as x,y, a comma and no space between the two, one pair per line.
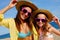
26,38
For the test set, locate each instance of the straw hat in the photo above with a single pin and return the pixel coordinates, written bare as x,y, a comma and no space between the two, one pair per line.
20,3
47,13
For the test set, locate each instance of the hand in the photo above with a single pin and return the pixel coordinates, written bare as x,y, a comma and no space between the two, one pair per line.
12,3
55,19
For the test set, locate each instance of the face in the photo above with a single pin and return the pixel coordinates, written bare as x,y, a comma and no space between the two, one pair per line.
40,20
25,13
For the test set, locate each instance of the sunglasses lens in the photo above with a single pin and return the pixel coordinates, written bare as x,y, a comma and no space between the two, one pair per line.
29,14
43,20
24,11
37,20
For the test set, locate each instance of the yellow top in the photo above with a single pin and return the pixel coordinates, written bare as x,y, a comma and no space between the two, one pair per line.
10,23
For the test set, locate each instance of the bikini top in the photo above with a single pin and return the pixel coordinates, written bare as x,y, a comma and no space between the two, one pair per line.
23,35
48,35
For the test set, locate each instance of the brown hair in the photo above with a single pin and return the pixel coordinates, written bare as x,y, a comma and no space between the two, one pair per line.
18,21
45,27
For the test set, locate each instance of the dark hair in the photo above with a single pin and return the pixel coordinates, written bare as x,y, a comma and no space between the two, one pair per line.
18,21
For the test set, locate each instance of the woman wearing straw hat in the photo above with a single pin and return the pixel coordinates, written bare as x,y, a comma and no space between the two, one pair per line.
41,19
20,27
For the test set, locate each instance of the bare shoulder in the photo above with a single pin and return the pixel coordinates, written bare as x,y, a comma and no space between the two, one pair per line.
50,27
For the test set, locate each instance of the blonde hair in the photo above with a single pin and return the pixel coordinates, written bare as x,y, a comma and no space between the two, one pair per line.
45,27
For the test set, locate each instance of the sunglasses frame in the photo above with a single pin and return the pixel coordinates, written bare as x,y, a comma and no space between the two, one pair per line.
25,11
37,20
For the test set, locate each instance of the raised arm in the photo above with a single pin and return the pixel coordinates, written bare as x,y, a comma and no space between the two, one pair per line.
57,32
54,30
5,22
12,4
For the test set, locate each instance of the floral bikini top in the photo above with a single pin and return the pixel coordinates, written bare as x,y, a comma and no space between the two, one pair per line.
48,35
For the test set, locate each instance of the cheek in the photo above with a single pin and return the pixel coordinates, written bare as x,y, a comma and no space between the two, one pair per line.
21,14
44,23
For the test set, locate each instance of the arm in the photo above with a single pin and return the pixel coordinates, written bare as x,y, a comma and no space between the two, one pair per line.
5,22
8,7
52,29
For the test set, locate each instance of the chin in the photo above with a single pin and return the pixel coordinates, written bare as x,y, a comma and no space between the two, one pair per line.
22,18
40,25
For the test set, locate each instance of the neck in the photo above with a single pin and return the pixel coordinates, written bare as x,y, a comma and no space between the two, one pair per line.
40,28
22,21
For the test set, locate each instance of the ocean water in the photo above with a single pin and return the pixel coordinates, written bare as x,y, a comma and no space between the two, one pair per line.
54,25
5,36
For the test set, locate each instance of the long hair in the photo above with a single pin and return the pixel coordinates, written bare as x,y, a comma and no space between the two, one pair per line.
18,21
45,27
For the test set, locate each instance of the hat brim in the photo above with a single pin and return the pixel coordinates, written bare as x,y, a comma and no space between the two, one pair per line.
20,3
49,14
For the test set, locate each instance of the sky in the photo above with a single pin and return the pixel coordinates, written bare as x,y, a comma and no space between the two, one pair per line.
51,5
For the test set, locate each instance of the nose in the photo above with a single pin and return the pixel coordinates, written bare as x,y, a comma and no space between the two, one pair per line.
40,21
26,14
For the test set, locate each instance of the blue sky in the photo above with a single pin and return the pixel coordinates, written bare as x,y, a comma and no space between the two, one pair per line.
51,5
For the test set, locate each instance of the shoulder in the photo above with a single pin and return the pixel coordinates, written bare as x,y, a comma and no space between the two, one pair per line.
10,19
50,27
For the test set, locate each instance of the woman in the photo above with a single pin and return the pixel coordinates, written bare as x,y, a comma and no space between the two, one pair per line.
41,20
20,27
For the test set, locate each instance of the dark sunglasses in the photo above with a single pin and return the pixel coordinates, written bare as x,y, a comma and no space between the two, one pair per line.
25,11
37,20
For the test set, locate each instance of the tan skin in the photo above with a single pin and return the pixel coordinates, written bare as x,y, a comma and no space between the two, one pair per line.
23,26
51,30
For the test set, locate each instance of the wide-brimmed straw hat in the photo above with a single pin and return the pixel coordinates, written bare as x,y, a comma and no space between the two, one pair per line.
46,12
30,4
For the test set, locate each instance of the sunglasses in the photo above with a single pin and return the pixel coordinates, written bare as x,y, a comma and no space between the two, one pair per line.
25,11
37,20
